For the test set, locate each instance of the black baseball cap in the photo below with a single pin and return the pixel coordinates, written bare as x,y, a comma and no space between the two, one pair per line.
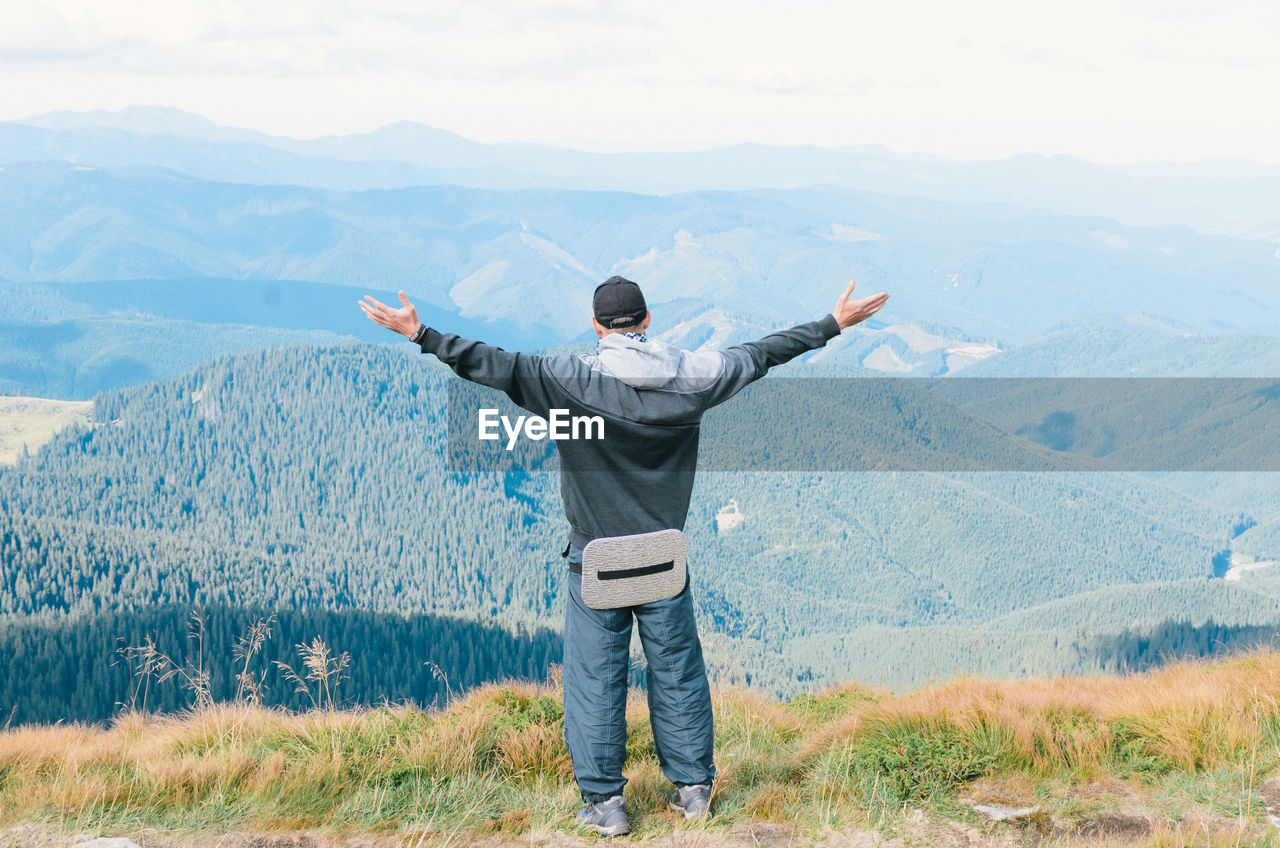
618,302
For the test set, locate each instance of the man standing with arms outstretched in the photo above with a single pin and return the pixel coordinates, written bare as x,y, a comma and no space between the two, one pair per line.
633,483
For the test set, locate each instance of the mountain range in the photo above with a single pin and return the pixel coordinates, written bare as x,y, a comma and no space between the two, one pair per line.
967,280
1233,197
198,283
981,258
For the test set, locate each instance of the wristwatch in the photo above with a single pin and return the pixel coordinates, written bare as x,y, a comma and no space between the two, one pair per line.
416,338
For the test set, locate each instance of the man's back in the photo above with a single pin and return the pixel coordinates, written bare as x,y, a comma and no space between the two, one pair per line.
639,477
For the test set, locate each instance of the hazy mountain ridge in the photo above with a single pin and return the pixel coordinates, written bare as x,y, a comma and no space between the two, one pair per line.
531,258
971,281
1228,196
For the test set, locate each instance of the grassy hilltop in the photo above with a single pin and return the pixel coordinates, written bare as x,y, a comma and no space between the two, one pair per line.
1176,756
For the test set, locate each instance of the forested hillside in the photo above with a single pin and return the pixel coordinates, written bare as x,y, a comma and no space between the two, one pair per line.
313,481
89,667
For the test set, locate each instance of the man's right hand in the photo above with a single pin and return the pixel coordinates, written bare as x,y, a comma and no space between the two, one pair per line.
849,312
403,321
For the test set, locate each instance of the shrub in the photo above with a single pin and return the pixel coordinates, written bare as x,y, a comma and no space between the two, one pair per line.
916,759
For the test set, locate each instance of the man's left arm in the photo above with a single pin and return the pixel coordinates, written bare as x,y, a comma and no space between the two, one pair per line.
748,362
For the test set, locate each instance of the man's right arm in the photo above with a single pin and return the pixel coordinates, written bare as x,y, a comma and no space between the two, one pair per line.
517,375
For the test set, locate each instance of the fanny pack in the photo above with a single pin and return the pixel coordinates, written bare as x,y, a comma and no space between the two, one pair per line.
626,571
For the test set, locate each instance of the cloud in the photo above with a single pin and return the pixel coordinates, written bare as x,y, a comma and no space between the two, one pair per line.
978,78
783,80
160,37
551,38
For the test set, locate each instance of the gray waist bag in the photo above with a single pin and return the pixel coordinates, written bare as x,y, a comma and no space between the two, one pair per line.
625,571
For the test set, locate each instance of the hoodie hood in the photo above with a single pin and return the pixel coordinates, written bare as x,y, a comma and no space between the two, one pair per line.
651,364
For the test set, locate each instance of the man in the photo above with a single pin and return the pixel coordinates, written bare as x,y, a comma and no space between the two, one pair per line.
637,479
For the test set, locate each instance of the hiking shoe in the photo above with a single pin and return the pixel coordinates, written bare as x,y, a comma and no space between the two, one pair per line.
607,818
694,801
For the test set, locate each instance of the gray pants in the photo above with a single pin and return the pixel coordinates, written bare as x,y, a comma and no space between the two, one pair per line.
596,657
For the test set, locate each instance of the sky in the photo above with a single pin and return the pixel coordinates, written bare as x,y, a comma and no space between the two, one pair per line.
1115,81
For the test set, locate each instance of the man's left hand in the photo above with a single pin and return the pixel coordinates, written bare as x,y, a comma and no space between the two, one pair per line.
403,320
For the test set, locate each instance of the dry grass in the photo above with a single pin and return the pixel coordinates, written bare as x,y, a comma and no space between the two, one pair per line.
495,759
1185,717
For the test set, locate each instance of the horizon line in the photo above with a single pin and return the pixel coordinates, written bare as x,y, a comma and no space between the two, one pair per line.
27,120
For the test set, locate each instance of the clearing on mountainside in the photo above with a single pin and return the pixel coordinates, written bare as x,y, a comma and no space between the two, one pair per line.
30,422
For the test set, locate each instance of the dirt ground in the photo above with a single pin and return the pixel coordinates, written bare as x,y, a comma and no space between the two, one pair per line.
915,831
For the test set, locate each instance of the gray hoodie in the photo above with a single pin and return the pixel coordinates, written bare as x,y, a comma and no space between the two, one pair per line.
652,364
639,477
